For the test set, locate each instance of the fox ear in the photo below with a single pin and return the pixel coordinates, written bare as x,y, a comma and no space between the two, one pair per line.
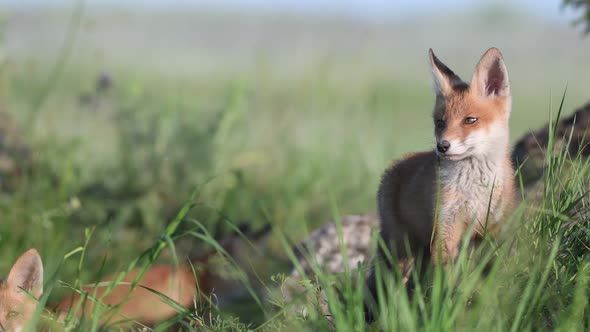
444,78
491,76
27,273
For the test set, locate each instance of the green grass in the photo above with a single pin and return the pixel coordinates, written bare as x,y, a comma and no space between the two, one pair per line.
113,174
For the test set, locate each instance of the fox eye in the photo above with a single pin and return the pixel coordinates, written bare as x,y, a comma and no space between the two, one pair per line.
470,120
12,314
439,123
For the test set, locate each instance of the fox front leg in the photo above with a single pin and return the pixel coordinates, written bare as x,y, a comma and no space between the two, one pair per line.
447,239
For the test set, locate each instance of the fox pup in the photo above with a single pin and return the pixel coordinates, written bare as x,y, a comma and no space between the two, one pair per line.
142,305
464,185
181,284
16,306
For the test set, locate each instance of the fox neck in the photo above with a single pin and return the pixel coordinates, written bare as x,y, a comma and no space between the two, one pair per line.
476,184
473,170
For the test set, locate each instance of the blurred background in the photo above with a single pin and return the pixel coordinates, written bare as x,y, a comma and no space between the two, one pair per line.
280,112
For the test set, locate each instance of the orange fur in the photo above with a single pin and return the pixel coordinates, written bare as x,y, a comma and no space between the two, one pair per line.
143,304
17,307
179,284
467,183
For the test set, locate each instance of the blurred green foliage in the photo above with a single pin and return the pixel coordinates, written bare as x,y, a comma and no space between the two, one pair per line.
584,7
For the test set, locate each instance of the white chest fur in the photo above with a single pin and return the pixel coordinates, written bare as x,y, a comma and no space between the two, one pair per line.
471,189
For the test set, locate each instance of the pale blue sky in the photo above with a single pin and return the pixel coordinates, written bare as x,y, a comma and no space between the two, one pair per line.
365,8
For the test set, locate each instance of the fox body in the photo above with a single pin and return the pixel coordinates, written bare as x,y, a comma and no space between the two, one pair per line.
183,284
466,184
144,303
16,306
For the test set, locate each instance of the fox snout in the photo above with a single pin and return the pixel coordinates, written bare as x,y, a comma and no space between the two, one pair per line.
455,148
443,146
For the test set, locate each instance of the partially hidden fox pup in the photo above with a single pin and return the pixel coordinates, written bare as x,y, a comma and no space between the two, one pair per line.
179,283
467,182
142,305
16,306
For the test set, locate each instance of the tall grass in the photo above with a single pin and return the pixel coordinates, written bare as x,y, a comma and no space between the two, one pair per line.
113,171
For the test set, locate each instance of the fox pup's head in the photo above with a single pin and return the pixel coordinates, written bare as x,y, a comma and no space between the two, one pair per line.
16,306
471,120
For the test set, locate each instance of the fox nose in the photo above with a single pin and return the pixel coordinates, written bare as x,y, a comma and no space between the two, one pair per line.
443,146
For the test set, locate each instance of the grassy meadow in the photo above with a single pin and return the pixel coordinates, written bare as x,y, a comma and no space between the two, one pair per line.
280,119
